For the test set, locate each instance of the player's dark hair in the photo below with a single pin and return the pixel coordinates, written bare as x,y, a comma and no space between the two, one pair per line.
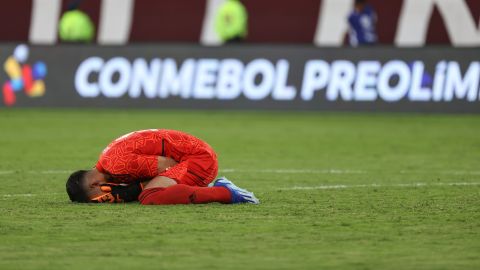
360,2
76,186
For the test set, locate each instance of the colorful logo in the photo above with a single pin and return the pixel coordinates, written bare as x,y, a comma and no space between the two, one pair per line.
23,76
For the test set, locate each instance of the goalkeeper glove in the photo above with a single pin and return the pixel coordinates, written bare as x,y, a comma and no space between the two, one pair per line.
119,193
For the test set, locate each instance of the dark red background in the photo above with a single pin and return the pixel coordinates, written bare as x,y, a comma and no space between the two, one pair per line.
270,21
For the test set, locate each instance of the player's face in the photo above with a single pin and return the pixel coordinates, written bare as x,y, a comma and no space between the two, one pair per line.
94,180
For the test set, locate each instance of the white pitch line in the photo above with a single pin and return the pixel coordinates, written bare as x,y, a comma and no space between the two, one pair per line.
53,171
342,171
451,172
278,171
380,185
325,187
38,172
29,194
295,171
228,170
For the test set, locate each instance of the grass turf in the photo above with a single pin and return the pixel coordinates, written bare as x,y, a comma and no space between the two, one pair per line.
361,226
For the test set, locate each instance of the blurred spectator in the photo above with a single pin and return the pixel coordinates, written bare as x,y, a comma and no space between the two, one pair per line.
231,21
362,21
75,25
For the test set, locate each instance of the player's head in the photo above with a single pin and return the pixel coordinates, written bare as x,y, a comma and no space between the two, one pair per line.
84,185
360,2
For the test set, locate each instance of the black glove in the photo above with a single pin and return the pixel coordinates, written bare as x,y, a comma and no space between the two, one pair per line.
119,193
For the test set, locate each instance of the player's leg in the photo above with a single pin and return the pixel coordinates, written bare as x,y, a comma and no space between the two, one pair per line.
184,194
195,170
206,169
187,182
162,190
201,170
238,195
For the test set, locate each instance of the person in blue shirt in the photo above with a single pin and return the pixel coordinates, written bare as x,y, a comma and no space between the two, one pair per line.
362,21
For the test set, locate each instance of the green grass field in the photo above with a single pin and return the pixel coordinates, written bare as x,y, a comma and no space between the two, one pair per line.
338,191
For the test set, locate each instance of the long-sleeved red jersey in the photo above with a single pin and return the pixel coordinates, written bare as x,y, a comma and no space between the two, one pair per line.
134,156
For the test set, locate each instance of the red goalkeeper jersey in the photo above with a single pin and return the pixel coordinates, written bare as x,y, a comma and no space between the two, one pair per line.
134,156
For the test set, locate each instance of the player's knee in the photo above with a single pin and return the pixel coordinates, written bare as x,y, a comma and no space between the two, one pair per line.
176,194
147,197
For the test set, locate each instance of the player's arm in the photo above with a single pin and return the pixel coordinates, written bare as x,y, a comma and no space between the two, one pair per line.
164,163
138,166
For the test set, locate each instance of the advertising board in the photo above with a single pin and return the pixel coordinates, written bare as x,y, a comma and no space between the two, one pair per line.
431,79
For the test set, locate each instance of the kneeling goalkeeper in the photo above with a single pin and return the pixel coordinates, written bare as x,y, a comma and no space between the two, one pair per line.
156,166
